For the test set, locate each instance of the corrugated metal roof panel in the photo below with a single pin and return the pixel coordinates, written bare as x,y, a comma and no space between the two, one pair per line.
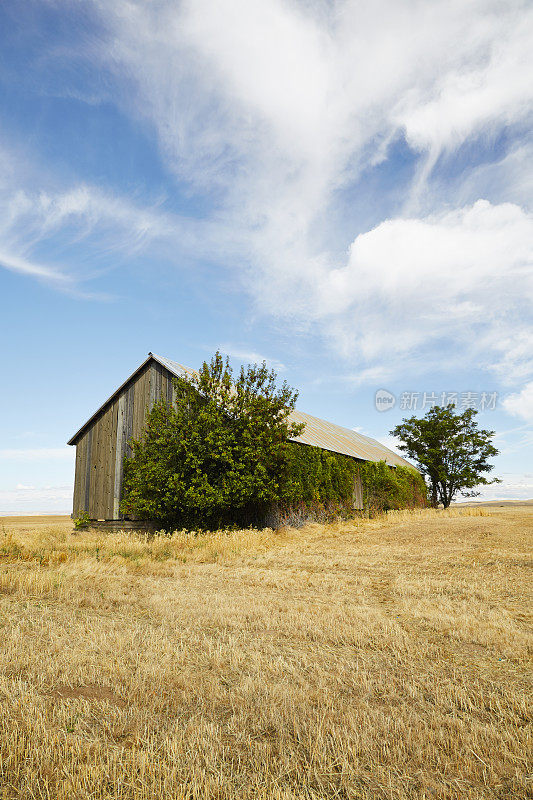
320,433
178,369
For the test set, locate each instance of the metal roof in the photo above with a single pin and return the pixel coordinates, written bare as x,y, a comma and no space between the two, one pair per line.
320,433
317,432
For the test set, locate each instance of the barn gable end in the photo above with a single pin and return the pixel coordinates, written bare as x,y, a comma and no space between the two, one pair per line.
102,443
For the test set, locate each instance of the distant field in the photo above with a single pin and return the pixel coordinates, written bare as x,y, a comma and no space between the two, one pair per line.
503,503
379,659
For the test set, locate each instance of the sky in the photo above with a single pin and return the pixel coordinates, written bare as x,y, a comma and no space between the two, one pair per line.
343,189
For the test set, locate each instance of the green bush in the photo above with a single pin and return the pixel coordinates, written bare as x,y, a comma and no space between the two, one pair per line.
386,488
218,456
82,521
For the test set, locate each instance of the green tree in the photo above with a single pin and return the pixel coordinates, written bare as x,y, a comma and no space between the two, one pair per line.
218,455
450,450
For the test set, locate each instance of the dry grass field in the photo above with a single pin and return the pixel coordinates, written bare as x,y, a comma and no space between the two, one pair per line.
376,659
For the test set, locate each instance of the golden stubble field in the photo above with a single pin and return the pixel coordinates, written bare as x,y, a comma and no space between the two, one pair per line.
373,659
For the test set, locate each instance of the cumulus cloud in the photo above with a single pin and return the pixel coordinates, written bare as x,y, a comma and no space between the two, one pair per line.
520,404
454,276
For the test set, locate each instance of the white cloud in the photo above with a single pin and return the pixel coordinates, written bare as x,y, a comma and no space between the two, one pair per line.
34,500
84,218
368,376
513,348
520,404
251,357
514,486
276,107
87,228
38,454
488,79
314,83
436,279
455,286
273,109
15,263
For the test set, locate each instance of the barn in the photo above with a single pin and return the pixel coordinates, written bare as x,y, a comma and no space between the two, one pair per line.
102,442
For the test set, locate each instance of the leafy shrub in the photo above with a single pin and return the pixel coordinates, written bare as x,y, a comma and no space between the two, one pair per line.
386,488
218,456
82,521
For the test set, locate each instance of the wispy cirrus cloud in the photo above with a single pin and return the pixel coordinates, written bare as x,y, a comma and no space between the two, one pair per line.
276,108
282,113
251,357
31,499
37,454
66,236
15,263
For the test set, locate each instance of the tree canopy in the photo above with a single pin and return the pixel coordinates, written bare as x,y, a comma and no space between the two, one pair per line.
451,451
220,448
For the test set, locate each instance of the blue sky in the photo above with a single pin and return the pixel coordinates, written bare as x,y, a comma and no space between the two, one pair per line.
342,188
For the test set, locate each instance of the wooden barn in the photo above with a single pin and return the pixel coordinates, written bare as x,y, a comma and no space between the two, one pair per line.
102,442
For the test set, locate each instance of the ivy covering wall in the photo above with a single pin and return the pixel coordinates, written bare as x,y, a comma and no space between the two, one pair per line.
385,489
321,485
318,475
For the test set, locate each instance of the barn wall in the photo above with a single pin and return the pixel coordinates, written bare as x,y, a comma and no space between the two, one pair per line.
101,448
358,492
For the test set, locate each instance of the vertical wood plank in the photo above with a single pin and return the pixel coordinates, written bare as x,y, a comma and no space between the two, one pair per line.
88,448
96,472
119,454
170,389
77,481
128,427
358,491
152,377
141,401
111,447
82,475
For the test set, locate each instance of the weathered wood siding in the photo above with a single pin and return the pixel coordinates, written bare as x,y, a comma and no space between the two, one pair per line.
358,492
101,448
